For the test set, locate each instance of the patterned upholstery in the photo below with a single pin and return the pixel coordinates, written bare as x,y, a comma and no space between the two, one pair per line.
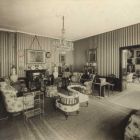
51,91
75,79
88,85
12,102
132,130
80,91
67,103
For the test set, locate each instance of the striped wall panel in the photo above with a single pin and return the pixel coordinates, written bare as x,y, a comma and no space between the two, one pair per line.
108,45
7,52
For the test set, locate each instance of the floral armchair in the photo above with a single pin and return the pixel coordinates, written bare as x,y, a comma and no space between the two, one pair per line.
13,103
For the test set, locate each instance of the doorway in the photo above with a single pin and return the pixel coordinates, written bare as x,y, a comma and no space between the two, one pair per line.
129,65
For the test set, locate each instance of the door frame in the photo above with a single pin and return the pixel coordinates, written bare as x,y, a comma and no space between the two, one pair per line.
120,56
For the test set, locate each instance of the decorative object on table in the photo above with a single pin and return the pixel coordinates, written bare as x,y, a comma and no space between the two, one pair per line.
35,56
32,67
39,67
55,72
14,76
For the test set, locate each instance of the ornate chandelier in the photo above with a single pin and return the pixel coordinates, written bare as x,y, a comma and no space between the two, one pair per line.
64,44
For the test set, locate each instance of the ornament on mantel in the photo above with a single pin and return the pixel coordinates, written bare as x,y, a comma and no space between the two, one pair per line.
14,76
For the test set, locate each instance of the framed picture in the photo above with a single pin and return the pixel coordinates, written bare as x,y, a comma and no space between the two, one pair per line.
130,54
62,58
48,54
137,53
92,55
35,56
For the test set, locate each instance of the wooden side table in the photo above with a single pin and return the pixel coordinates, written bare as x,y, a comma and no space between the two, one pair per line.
102,85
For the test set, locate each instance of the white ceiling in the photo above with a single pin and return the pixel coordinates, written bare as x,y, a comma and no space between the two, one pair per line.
83,18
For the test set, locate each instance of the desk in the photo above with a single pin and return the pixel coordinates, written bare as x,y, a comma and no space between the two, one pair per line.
103,84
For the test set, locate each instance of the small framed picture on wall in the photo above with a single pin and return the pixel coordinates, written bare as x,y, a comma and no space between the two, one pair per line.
92,55
48,54
137,53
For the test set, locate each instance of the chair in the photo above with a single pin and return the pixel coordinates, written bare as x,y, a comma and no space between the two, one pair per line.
13,103
75,78
51,91
80,91
88,85
68,103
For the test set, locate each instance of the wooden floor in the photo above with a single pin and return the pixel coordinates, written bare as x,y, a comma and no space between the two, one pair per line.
101,120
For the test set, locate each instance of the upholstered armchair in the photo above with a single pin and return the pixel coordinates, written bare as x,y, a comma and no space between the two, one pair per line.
12,102
75,78
68,103
80,91
51,91
88,85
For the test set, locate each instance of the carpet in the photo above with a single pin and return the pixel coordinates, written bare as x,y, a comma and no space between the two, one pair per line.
129,98
101,120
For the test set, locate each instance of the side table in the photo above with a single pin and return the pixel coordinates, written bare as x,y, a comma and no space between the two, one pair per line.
36,106
102,86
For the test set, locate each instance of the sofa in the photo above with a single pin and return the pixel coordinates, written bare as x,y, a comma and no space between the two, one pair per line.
80,91
132,129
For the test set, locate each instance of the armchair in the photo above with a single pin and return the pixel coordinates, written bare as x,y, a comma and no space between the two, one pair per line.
88,85
12,102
